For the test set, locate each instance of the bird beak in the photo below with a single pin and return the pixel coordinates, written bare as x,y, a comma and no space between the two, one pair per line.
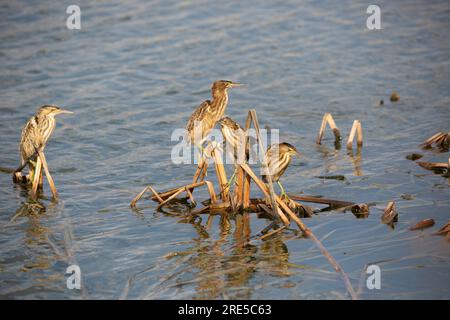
65,111
236,84
295,153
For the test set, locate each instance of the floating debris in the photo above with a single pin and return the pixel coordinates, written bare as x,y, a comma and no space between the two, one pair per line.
381,102
407,197
337,177
445,230
390,215
427,223
414,156
360,210
333,204
440,139
438,167
394,97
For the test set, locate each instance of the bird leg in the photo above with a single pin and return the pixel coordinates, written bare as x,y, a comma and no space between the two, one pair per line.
232,179
47,174
17,175
36,178
283,193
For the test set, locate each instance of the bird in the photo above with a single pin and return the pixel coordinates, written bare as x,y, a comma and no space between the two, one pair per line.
34,138
205,117
234,135
278,159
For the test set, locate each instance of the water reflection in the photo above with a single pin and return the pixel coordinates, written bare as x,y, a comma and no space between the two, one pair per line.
223,267
329,156
356,160
35,234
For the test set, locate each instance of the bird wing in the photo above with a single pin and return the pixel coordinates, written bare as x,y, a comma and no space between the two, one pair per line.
27,145
198,115
273,161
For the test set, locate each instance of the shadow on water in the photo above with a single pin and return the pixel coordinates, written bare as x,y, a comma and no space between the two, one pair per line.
221,261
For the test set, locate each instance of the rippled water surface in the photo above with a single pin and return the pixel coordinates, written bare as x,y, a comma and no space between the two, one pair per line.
135,72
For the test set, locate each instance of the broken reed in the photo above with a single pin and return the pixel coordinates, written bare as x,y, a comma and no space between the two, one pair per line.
328,119
38,178
241,195
440,139
356,130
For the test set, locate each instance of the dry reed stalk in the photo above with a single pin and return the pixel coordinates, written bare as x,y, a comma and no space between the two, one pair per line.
356,130
242,187
264,189
191,197
246,192
212,194
204,171
201,170
48,175
246,177
328,118
180,190
138,197
198,171
433,165
330,202
221,174
441,139
155,193
239,188
168,193
306,231
262,152
164,195
36,178
219,207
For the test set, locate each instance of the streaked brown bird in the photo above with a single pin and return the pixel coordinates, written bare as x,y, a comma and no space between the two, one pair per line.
234,136
35,136
279,157
205,117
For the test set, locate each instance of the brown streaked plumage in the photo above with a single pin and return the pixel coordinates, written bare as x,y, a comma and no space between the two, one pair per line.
278,157
36,133
205,117
234,135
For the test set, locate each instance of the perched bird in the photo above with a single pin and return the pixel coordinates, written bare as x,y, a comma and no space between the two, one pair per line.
234,135
34,137
278,157
205,117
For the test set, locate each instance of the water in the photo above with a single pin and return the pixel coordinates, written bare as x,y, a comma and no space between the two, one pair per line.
136,71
